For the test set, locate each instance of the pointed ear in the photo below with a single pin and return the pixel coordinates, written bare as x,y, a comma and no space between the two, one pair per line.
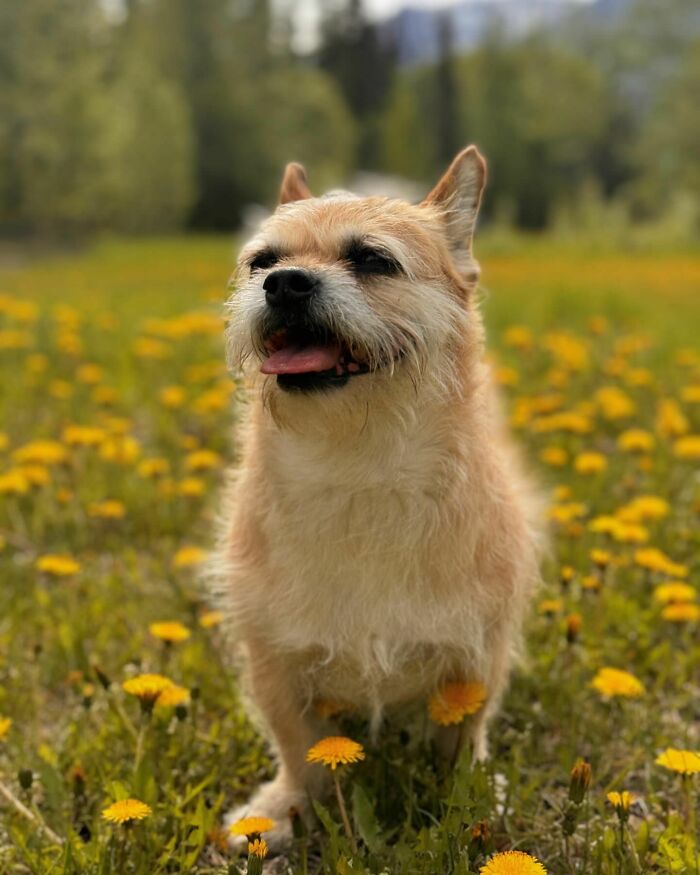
294,187
458,195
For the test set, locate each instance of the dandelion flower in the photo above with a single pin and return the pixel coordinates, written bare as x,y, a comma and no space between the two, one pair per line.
57,565
109,509
590,463
258,848
173,696
548,607
636,440
126,811
454,701
252,826
170,632
5,724
147,687
681,612
620,801
653,559
211,618
688,448
513,863
615,682
41,453
686,762
188,556
202,460
335,750
674,591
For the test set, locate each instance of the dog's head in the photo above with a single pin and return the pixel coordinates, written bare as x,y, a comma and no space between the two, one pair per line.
345,296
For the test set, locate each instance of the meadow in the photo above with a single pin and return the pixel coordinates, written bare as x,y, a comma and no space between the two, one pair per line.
116,424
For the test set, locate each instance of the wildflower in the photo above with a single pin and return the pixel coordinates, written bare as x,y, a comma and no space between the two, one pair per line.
590,582
506,376
569,351
670,419
566,513
335,750
636,440
191,487
613,682
89,374
172,397
620,801
121,449
454,701
566,574
685,762
155,467
146,687
590,463
567,421
674,591
150,348
691,394
13,482
202,460
573,627
188,556
5,724
107,510
688,448
170,632
57,565
126,811
614,403
211,618
656,560
580,781
40,452
258,848
645,507
513,863
83,436
600,558
554,456
36,475
252,827
518,337
173,696
681,612
550,607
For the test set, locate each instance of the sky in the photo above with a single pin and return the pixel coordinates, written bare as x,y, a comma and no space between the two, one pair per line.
306,13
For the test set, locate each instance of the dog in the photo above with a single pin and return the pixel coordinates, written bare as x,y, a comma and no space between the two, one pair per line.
380,537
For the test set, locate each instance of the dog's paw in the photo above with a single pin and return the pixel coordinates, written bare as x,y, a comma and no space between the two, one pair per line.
274,800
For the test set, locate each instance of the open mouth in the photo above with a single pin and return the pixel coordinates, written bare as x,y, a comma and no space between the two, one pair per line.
306,362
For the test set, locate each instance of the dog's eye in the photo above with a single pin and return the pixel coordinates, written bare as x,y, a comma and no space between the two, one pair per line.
263,260
364,259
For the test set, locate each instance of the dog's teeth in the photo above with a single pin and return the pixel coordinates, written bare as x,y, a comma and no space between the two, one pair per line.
353,367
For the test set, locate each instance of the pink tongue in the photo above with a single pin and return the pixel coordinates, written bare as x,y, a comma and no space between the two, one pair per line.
301,360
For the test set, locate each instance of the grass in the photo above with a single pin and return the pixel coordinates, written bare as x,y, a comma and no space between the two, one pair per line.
114,356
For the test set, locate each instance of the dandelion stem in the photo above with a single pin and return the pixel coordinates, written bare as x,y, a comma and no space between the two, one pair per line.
34,817
344,813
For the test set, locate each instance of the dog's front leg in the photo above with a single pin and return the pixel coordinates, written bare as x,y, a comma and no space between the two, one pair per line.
275,693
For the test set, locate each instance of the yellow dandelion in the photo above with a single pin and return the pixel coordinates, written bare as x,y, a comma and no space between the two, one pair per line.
173,696
674,591
258,848
110,509
252,826
621,800
211,618
83,436
691,394
126,811
120,449
334,751
57,565
656,560
518,337
188,556
155,467
688,448
191,487
172,632
147,687
202,460
14,482
549,607
685,762
636,440
613,682
601,558
513,863
36,475
554,456
5,724
590,463
172,397
454,701
681,612
41,453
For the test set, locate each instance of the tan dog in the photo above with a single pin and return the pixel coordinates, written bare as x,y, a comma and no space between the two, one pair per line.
380,538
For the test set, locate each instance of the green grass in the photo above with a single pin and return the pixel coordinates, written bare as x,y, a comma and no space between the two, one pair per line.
72,747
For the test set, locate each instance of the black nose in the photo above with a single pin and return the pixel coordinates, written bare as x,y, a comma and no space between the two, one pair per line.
290,287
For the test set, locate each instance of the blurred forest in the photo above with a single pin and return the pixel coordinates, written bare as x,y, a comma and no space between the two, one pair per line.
165,114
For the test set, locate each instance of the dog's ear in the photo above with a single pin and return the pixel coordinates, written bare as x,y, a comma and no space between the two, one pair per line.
294,187
458,195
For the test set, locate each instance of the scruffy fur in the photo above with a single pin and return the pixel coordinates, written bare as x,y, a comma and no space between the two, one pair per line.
379,539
